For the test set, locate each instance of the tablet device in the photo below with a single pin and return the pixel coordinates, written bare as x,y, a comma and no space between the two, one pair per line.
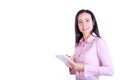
64,58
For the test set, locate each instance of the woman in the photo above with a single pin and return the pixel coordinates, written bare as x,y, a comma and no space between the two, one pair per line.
91,56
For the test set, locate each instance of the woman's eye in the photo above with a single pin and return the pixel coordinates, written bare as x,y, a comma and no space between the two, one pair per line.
87,20
79,21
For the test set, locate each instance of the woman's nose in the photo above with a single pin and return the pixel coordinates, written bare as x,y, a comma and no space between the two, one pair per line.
84,24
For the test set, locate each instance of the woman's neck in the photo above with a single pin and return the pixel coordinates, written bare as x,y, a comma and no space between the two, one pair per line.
86,36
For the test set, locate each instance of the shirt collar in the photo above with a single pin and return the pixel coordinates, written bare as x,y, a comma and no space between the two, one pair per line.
90,39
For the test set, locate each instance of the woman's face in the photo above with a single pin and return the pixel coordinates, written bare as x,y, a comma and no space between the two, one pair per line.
85,23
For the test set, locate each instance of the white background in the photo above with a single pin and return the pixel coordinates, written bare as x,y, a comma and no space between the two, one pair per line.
33,31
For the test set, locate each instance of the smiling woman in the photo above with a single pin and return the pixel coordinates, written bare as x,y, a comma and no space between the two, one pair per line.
33,31
91,55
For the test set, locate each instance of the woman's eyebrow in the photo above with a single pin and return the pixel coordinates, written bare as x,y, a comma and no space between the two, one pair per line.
82,19
88,18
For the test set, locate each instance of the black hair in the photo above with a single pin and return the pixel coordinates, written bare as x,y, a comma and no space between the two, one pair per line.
78,34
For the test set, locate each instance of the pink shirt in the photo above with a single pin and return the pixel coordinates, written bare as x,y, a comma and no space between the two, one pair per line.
94,54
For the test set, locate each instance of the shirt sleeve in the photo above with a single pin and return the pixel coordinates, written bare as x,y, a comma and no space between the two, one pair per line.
106,67
72,71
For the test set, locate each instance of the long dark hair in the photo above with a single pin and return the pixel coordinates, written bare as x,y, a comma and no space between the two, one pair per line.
78,34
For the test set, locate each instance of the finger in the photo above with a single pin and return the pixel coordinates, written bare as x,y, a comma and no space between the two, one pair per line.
68,55
71,64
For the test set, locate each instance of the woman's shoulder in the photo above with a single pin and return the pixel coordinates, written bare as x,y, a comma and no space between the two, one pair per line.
99,40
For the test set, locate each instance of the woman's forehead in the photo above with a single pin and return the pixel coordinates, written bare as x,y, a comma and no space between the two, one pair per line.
84,16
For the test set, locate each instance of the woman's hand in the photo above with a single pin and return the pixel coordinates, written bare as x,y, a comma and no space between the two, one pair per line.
76,66
69,57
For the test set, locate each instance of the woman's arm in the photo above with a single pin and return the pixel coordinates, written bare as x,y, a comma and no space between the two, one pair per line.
106,66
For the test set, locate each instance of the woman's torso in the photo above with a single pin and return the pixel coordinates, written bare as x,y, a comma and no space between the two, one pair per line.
86,53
